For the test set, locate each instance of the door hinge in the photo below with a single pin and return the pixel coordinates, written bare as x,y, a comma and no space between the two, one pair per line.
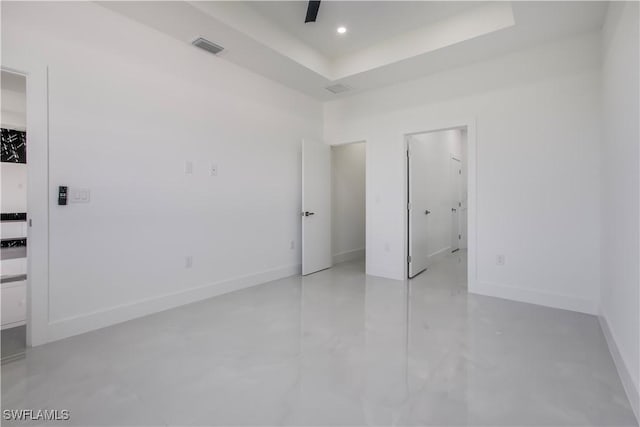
409,258
459,204
459,171
408,152
408,206
459,237
30,222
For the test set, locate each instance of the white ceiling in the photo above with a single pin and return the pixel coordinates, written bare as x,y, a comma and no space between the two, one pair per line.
367,22
386,43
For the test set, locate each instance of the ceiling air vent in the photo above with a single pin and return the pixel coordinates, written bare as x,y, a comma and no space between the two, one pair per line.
338,88
207,45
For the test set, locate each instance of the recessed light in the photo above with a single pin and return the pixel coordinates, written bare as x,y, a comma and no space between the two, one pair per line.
341,30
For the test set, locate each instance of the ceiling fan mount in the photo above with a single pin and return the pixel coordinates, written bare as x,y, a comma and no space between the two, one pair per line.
312,11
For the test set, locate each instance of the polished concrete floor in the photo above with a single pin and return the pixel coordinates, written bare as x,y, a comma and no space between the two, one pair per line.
333,348
13,342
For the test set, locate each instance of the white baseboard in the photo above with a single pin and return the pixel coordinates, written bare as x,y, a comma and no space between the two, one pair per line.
534,296
13,325
440,254
75,325
353,255
627,381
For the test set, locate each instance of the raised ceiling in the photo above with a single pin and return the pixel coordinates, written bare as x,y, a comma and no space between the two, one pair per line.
386,42
365,28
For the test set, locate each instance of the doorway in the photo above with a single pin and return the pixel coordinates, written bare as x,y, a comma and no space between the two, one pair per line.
13,259
348,202
436,195
333,204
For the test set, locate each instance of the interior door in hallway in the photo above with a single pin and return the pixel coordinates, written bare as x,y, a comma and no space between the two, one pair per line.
456,203
316,206
418,208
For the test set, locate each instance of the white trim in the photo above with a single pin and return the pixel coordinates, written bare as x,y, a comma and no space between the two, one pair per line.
470,124
440,254
341,144
352,255
535,296
75,325
13,325
625,377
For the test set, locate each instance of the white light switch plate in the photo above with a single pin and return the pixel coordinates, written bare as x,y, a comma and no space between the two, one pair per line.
80,195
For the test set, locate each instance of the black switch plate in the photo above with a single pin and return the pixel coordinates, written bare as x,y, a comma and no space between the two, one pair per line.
62,195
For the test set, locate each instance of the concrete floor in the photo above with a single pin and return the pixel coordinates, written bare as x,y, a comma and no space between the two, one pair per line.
13,342
333,348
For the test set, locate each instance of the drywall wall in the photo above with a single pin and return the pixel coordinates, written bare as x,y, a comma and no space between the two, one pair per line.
620,192
435,158
127,110
348,201
533,159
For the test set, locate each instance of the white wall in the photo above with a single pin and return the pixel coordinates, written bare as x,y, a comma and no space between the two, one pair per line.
537,115
127,108
348,201
435,158
620,192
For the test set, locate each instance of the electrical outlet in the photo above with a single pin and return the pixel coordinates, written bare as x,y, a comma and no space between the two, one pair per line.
188,261
214,169
500,259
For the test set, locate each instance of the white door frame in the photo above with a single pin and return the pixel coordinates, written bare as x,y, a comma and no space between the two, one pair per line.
38,196
472,238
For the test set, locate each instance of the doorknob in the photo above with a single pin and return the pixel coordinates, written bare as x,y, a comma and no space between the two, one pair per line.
453,210
307,213
427,212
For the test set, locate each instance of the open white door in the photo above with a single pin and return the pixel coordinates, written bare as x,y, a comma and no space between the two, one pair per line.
456,203
316,206
418,209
